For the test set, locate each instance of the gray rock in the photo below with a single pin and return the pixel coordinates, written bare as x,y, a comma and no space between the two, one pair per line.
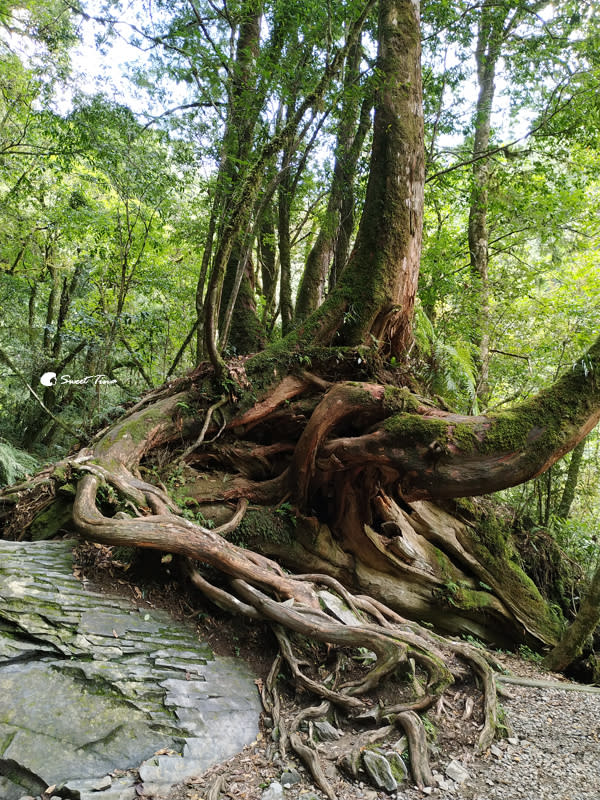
291,776
456,772
91,785
326,731
338,608
379,770
89,685
121,789
274,792
443,784
495,751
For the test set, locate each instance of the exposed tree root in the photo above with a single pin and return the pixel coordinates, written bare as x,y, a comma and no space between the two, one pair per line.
223,400
306,753
271,701
217,786
417,745
352,481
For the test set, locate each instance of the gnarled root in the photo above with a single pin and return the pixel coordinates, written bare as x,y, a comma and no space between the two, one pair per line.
257,587
417,745
306,753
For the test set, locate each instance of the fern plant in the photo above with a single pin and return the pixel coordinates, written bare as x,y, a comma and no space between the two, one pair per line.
448,370
14,463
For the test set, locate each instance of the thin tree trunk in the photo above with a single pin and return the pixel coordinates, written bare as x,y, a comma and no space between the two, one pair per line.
245,192
285,252
51,307
328,255
585,623
68,290
268,262
496,22
486,54
31,314
570,488
349,165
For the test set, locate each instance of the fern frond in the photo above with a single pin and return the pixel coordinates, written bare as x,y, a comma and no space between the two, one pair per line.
14,463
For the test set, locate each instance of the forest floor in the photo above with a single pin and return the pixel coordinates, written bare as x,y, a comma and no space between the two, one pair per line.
552,752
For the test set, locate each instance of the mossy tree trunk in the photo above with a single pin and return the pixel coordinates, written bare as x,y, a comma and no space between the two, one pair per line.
284,206
268,263
328,255
374,298
579,632
243,191
230,283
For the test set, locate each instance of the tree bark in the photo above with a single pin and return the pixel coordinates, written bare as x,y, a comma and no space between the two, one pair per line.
374,298
284,201
570,487
577,634
246,190
328,255
268,263
486,55
436,454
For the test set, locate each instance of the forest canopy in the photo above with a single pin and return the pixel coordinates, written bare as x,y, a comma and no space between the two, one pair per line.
313,302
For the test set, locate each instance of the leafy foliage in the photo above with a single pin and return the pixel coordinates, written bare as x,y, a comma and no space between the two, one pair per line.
14,463
447,369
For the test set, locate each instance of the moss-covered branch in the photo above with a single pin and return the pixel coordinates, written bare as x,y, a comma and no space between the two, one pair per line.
435,454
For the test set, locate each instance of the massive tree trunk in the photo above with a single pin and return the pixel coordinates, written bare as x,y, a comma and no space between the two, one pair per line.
374,299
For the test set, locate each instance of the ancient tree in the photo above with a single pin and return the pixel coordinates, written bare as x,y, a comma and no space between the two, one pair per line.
333,485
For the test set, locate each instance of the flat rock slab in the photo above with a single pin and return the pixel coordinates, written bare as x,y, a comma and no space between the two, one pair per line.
90,685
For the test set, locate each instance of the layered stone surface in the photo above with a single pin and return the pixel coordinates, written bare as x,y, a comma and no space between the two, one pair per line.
90,685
